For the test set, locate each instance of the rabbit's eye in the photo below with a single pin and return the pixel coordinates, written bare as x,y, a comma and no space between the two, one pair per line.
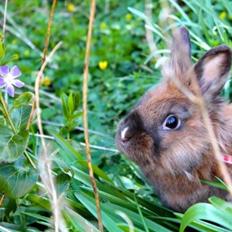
171,122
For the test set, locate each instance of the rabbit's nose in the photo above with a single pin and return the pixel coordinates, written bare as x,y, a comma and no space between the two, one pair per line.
126,134
130,126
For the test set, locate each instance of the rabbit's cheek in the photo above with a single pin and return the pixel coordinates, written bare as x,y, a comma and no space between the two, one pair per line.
138,148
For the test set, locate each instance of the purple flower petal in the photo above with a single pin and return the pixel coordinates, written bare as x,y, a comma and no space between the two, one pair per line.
4,70
18,83
15,71
2,82
10,90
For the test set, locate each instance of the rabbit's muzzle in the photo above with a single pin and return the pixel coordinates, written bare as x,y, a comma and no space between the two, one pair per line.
133,139
129,127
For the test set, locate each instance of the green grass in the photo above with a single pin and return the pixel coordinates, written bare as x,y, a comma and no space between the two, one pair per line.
119,40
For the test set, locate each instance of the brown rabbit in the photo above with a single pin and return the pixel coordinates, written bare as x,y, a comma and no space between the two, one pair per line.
165,134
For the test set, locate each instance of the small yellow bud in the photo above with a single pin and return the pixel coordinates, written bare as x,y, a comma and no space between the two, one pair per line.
128,17
46,81
70,7
103,64
15,56
222,15
103,26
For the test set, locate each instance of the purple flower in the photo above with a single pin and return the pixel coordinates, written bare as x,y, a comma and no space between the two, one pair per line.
9,79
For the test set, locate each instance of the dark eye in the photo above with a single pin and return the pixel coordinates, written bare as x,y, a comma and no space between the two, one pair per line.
171,122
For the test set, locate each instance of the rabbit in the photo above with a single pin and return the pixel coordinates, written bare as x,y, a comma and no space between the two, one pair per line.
165,135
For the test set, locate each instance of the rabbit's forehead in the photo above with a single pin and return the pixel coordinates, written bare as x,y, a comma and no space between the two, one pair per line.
156,111
160,100
161,91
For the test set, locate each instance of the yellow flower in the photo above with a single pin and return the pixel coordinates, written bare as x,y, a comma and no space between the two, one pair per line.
222,15
46,81
128,17
103,64
103,26
70,7
15,56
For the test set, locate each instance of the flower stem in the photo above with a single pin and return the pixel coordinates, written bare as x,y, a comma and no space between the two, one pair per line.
1,199
29,159
6,97
6,113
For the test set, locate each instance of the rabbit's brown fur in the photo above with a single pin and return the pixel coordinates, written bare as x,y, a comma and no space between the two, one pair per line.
175,161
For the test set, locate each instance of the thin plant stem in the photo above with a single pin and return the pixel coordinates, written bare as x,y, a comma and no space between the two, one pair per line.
47,165
1,199
37,85
6,96
82,144
149,34
48,35
29,159
6,114
46,44
85,112
3,229
141,214
4,20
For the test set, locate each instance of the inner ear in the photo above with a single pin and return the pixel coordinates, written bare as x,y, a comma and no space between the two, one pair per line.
213,68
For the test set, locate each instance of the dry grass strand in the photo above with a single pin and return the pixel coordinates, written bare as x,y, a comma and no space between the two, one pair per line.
46,44
85,113
4,20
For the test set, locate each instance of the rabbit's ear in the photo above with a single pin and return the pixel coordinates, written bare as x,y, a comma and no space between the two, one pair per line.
212,70
181,52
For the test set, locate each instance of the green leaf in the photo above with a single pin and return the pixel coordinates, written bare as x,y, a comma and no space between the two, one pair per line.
16,183
39,200
20,116
11,206
64,98
23,100
111,219
89,203
62,182
66,146
221,204
12,145
77,222
4,186
140,14
204,211
71,106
